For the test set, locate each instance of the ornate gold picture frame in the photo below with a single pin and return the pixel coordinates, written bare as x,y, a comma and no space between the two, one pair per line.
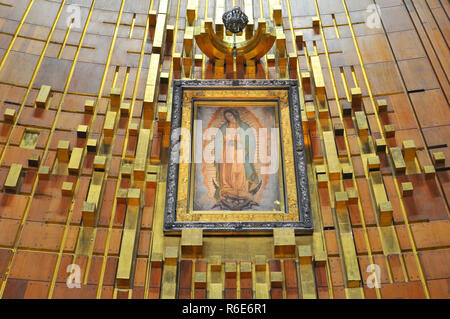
276,199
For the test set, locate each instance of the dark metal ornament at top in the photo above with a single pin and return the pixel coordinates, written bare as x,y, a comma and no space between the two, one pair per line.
235,21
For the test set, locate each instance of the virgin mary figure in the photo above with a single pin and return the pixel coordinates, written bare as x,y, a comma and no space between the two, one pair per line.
236,180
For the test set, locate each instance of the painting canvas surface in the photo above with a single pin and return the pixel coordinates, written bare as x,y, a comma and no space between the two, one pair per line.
240,169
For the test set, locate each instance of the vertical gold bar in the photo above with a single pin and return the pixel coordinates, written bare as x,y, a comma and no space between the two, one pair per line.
219,11
334,167
191,11
141,154
160,34
128,247
318,78
75,160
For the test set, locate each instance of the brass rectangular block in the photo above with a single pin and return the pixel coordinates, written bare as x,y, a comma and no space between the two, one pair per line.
271,60
191,242
34,160
89,106
188,41
191,11
334,167
198,59
389,130
284,242
93,197
306,82
91,145
380,144
133,129
277,14
82,131
429,171
220,30
164,76
141,154
12,179
315,22
170,30
151,180
160,33
381,105
134,197
346,108
338,129
43,172
352,195
156,259
75,160
110,122
9,115
128,247
122,195
249,30
409,150
323,113
373,163
124,109
322,180
216,263
299,39
385,211
245,269
126,170
230,269
407,189
318,78
347,172
99,162
341,199
361,122
398,160
200,280
310,110
176,61
67,188
356,97
115,98
260,263
276,279
63,151
152,18
43,96
439,158
304,254
320,169
88,214
171,255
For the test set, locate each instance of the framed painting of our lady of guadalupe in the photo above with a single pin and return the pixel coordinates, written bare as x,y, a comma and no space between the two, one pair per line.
236,158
